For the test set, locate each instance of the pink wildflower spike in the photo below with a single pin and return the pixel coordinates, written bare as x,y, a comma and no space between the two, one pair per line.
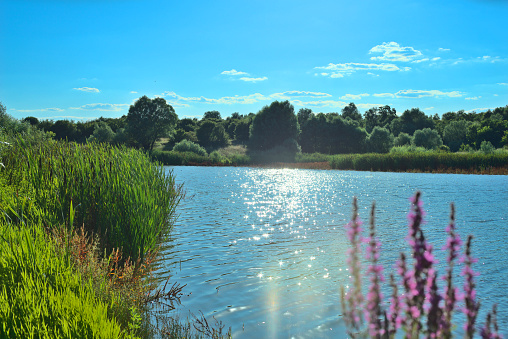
471,305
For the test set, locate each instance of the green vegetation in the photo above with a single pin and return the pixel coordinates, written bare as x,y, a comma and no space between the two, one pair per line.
423,161
116,192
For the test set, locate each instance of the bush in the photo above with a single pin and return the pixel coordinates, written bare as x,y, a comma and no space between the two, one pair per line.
189,146
402,139
486,147
428,138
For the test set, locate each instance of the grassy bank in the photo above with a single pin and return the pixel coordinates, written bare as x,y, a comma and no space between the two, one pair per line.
423,162
80,226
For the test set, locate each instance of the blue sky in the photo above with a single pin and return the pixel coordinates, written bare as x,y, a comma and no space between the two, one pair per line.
82,59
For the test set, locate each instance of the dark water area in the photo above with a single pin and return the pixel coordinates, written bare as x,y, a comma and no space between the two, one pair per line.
264,250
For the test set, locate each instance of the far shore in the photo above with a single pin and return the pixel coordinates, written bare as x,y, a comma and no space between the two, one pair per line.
325,165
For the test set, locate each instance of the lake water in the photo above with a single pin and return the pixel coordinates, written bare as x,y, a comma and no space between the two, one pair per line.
264,250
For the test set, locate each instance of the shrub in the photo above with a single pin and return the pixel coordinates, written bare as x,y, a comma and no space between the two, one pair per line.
402,139
486,147
189,146
428,138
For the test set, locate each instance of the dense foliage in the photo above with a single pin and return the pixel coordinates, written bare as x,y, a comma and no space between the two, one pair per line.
347,131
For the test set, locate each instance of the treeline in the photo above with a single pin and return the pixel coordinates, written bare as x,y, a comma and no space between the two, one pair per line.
279,126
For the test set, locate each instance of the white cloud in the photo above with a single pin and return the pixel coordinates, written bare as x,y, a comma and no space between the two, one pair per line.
374,75
421,60
87,89
474,98
503,83
133,92
416,94
353,96
52,109
295,94
339,70
384,95
248,79
428,108
321,103
392,51
101,107
72,117
443,49
234,72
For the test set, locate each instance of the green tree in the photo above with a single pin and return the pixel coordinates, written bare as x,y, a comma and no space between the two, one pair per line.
351,111
102,133
149,120
304,114
402,139
380,140
272,125
427,138
414,119
212,115
455,134
212,135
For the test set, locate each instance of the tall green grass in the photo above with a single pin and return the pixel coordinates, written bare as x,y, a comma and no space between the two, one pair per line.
41,295
422,161
117,193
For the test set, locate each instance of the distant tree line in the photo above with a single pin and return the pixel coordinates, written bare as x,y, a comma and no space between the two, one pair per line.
278,125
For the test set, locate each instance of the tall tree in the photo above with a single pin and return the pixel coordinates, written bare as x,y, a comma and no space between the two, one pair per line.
149,120
351,111
212,115
272,125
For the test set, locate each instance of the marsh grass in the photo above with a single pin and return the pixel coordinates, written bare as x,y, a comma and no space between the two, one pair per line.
422,161
116,193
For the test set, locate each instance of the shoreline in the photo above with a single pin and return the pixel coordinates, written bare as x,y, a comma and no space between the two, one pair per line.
325,165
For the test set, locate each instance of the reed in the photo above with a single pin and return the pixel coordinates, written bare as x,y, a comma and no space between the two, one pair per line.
116,193
424,161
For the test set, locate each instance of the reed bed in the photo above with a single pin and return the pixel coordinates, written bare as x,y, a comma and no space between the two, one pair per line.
424,162
116,193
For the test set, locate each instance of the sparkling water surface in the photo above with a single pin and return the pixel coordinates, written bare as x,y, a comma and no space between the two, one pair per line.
264,250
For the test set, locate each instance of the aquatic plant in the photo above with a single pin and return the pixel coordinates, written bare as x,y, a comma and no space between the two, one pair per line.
421,309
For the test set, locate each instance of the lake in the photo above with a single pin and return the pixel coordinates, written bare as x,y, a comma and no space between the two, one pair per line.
264,250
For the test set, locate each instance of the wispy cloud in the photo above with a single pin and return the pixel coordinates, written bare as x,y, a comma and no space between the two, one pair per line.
321,103
234,72
134,92
503,83
67,117
87,89
339,70
384,95
416,94
102,107
178,100
248,79
297,94
474,98
392,51
52,109
354,96
420,60
443,49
